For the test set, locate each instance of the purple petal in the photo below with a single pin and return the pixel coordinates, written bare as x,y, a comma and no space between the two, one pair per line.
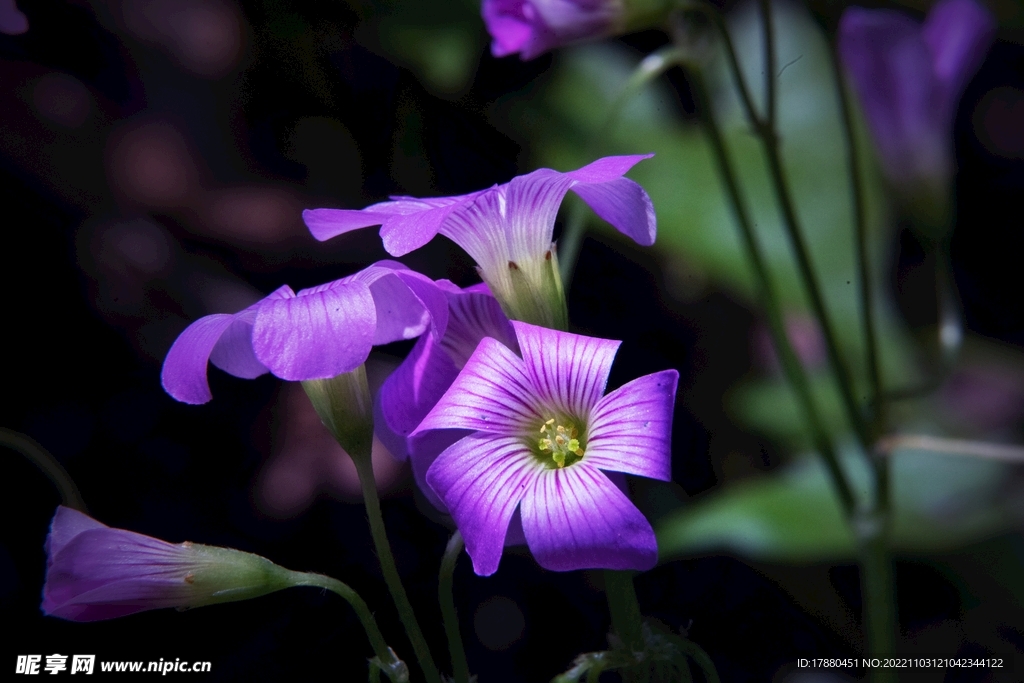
492,393
474,315
479,227
481,480
324,224
67,523
424,450
409,393
607,168
319,333
512,31
233,352
625,205
532,203
576,518
569,371
958,34
430,296
184,372
631,428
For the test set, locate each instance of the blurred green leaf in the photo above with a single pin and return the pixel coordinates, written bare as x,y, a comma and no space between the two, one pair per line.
940,502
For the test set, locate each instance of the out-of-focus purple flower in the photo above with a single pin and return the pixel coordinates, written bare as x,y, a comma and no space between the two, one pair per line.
317,333
12,21
909,78
532,27
412,390
94,572
507,229
542,436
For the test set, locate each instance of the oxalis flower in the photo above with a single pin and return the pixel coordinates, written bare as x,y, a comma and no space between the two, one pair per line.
542,436
95,572
508,228
415,387
909,78
317,333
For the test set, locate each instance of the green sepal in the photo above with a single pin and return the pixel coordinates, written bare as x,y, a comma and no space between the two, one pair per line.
346,409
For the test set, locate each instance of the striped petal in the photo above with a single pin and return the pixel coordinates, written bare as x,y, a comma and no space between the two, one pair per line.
630,429
492,394
576,518
625,205
320,333
569,371
184,372
481,480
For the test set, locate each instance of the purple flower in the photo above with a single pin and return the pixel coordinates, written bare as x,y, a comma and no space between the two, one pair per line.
909,79
507,229
316,333
532,27
542,436
412,390
94,572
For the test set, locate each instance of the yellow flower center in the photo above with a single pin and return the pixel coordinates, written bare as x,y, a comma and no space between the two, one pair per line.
560,442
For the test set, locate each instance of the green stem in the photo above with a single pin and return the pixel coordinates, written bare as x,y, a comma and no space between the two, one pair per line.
787,357
769,63
364,467
696,652
652,66
879,594
385,654
770,142
624,608
460,667
47,464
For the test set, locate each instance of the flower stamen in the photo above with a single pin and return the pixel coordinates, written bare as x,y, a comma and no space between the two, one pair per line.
561,442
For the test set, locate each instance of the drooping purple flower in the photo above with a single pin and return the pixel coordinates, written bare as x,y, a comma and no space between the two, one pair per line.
94,572
412,390
542,437
909,78
532,27
507,229
316,333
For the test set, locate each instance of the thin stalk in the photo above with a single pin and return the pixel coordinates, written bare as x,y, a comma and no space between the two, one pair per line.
790,363
769,64
460,667
373,634
879,590
47,464
364,468
769,140
652,66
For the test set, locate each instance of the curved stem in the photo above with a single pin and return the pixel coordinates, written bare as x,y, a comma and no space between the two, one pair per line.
385,654
460,667
769,63
696,652
790,363
47,464
364,468
652,66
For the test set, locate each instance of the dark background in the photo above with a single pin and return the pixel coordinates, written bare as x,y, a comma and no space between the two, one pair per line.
101,270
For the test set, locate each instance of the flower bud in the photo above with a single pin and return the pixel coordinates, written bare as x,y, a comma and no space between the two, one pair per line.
94,572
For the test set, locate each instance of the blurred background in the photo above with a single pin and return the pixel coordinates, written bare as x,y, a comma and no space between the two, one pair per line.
155,156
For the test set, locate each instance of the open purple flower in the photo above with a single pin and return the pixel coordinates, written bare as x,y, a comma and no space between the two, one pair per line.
94,572
415,387
532,27
542,436
316,333
909,78
507,229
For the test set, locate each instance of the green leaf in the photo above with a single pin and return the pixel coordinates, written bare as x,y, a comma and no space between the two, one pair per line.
940,502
